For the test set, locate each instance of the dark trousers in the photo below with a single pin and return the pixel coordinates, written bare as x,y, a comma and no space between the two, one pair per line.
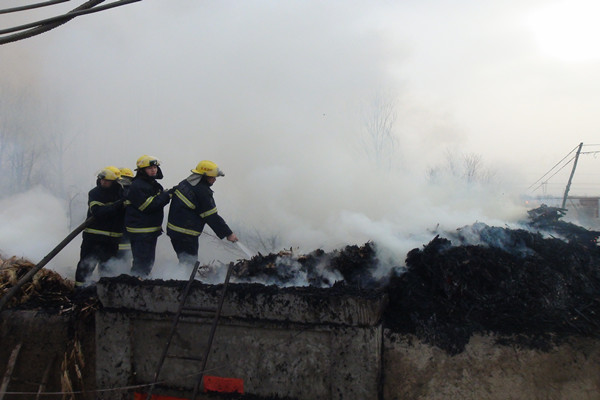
94,252
143,249
124,254
186,247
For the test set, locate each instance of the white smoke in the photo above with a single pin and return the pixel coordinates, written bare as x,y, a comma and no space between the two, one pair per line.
32,224
275,93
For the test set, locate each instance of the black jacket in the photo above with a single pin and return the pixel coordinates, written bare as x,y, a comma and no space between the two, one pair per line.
106,206
192,207
146,200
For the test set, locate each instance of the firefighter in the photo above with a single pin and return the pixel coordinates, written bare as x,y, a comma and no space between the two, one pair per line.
192,207
126,177
101,238
144,213
124,253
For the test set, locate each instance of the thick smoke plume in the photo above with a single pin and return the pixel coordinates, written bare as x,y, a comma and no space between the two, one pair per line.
285,98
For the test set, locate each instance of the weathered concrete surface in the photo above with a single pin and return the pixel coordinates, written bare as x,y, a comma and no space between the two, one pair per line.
280,343
250,301
488,371
305,361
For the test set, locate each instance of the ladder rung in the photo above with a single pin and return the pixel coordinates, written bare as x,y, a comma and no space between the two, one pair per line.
185,358
200,312
200,309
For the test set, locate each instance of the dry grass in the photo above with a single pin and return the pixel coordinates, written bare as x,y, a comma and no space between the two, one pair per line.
45,288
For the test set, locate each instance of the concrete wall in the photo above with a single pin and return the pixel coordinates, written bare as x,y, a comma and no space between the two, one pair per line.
280,355
280,342
488,371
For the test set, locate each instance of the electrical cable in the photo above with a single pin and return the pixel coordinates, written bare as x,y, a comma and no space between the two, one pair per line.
550,170
31,6
47,24
540,185
41,26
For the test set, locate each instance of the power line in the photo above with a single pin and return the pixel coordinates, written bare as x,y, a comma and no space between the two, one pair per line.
31,6
44,25
550,170
564,163
544,182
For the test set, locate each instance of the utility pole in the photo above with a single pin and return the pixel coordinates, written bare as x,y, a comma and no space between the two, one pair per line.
571,177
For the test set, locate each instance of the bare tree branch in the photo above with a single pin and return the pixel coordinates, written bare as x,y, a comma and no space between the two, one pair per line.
378,140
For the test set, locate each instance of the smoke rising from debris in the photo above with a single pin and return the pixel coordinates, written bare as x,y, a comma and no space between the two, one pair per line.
277,95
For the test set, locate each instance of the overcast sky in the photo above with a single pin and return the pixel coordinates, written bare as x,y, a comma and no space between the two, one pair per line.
276,92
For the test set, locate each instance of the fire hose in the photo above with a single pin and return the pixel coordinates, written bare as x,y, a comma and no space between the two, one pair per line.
245,249
29,275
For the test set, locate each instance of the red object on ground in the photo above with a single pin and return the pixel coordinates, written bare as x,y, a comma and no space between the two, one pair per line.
142,396
223,385
211,384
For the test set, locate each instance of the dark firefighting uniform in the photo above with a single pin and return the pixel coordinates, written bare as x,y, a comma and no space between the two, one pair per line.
143,219
124,252
101,238
191,208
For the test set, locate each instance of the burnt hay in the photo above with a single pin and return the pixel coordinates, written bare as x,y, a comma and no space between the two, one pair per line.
526,286
537,290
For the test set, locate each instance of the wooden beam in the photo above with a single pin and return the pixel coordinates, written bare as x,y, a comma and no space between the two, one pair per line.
9,370
42,387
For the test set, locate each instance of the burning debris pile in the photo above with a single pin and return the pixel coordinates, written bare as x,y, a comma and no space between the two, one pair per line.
534,286
537,290
353,266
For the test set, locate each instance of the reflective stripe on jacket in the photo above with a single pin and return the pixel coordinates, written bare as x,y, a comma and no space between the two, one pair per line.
191,208
144,213
106,206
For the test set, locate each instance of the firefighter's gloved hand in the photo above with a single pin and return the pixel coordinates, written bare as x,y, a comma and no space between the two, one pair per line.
165,197
172,190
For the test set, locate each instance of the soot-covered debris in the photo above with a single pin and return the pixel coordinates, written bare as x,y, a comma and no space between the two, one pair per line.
353,265
548,219
514,282
534,286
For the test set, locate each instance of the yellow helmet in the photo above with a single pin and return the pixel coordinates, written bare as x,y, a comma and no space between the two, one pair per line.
109,173
126,172
147,161
208,168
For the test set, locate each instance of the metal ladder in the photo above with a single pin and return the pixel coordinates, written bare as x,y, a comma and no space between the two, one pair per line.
182,309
